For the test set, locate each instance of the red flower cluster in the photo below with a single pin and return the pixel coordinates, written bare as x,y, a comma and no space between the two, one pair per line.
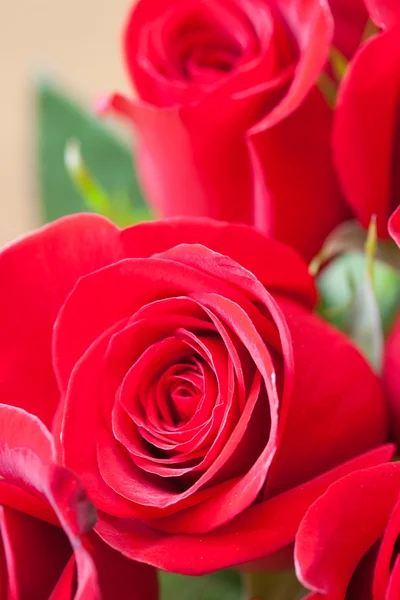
170,397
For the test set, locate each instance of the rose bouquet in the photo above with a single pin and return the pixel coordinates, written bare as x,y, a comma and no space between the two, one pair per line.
206,388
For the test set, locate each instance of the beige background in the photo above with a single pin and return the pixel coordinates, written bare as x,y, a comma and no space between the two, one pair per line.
75,41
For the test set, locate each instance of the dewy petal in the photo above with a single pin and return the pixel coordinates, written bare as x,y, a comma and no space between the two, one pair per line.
342,525
37,272
257,532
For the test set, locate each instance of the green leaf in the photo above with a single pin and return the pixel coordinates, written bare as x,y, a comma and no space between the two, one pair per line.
60,119
117,207
338,281
222,585
363,310
351,236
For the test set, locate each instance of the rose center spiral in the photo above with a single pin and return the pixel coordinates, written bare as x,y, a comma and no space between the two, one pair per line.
183,388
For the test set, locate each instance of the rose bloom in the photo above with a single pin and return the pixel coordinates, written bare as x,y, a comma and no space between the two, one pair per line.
347,544
46,550
203,405
227,113
366,129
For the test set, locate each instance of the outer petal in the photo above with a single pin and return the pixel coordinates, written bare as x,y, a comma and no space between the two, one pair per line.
297,197
36,274
391,377
383,572
342,525
288,186
26,454
350,18
385,13
365,130
119,577
277,266
331,417
36,554
185,167
258,532
394,226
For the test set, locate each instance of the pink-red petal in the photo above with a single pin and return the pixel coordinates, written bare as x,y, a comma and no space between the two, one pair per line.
37,272
258,532
342,525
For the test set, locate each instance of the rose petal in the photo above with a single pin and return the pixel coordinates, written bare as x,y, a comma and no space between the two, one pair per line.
289,208
386,553
26,460
241,243
37,272
394,226
363,141
352,416
342,525
391,377
385,13
256,533
36,553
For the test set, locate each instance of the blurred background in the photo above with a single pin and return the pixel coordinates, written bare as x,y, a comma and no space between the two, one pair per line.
77,45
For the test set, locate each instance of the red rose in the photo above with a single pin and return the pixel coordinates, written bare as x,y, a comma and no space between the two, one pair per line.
347,544
227,113
201,397
366,140
45,517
